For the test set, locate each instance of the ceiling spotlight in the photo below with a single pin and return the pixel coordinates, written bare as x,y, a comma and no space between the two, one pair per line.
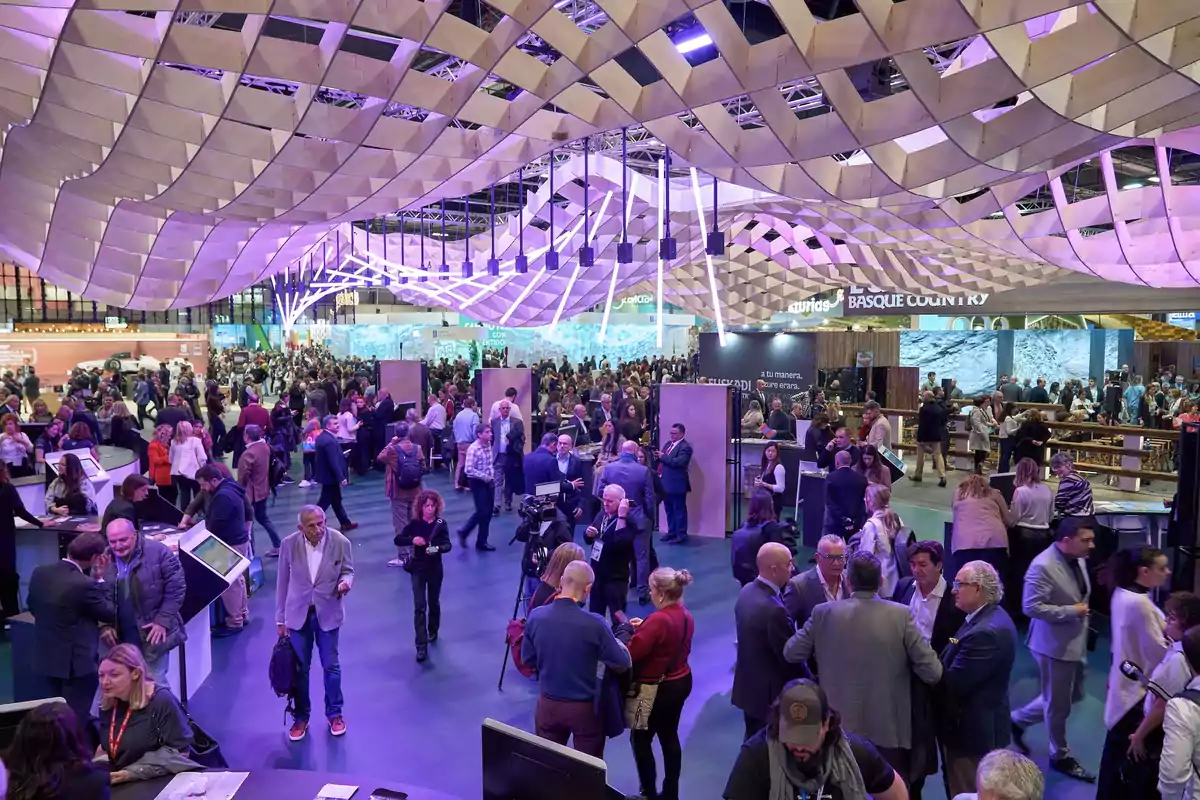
1134,185
1153,179
695,43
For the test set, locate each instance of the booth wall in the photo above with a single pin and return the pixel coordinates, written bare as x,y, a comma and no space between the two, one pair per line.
53,357
840,349
704,410
494,382
786,361
403,380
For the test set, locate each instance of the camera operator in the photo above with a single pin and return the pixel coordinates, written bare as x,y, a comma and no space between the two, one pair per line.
542,529
612,534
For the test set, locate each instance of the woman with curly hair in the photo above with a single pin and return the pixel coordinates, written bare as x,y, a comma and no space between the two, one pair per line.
429,538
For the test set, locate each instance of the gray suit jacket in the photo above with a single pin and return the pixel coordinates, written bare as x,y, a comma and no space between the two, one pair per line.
1055,630
802,594
867,650
635,479
295,591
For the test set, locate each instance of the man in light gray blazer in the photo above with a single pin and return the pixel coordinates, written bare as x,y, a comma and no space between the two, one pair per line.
821,584
867,651
1057,589
316,571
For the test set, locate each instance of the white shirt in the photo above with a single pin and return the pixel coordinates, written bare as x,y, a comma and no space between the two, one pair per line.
1138,635
435,418
1172,673
315,555
505,426
563,463
924,609
836,594
1181,749
513,411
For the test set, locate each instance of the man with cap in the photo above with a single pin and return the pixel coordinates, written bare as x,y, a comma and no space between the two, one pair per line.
803,752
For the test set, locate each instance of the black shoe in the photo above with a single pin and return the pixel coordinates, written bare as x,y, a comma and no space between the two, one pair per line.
644,599
495,511
422,654
462,538
1072,769
487,548
941,481
222,631
432,638
1018,738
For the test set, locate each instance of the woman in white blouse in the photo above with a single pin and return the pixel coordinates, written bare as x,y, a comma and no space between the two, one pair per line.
773,477
15,447
1138,635
187,456
879,533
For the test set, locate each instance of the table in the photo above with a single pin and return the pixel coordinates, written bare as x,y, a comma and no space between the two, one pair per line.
118,462
285,784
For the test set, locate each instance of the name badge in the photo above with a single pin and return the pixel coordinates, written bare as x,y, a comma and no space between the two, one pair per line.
597,549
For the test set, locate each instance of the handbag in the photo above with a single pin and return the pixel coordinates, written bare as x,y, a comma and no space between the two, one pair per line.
205,750
639,699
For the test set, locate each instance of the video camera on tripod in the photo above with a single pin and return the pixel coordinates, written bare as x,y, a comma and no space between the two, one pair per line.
542,528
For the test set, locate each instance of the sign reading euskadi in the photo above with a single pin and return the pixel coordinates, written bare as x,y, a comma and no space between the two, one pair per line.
862,302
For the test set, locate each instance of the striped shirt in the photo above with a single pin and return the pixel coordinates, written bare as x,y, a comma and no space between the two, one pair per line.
479,462
1074,498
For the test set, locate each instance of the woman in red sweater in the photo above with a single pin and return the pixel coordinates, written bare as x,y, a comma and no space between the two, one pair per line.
660,650
160,463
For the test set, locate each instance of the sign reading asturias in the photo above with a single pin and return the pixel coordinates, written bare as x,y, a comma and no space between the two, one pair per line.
864,302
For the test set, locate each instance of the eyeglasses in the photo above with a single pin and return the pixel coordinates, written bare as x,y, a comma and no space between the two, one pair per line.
837,559
960,584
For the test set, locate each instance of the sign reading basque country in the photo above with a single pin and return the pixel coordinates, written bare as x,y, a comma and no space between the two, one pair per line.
862,302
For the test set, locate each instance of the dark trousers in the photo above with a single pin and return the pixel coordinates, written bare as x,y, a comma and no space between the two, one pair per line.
327,649
309,460
427,596
608,595
260,516
1006,449
1120,778
1024,545
186,489
901,761
331,495
980,457
79,692
168,493
753,724
677,518
482,493
143,416
216,426
664,723
575,720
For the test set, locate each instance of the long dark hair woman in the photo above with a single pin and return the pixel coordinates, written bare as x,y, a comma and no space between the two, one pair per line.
660,649
214,403
773,477
760,527
71,492
48,759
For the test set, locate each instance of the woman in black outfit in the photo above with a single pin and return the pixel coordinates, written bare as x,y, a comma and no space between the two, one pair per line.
629,427
1031,438
48,759
819,434
429,538
660,649
143,729
773,478
214,403
11,507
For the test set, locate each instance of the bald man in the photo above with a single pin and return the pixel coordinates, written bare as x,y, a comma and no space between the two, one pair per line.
845,493
763,628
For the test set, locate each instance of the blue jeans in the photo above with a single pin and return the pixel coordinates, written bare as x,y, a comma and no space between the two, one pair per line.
327,648
677,518
260,516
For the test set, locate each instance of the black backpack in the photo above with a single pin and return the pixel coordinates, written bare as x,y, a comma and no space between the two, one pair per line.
408,469
283,669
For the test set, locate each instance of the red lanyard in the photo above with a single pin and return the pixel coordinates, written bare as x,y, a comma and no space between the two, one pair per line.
114,744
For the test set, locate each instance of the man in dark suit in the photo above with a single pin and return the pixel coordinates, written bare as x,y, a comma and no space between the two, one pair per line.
541,464
68,607
673,462
329,471
385,407
579,420
573,500
821,584
845,490
763,628
605,413
610,537
759,394
977,664
638,484
840,442
173,414
927,596
508,445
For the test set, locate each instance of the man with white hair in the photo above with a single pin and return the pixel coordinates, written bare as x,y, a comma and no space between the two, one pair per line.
566,643
611,537
603,414
1005,775
977,665
821,584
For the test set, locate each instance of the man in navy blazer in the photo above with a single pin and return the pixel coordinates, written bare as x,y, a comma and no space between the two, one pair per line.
845,493
977,666
638,484
329,471
540,464
673,462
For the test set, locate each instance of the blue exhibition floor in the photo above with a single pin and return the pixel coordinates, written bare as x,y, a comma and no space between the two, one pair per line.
420,723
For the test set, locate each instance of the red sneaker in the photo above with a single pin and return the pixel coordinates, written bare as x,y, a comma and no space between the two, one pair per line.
349,526
337,726
298,730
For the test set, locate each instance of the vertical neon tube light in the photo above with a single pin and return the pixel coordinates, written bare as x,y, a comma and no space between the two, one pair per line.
708,261
662,204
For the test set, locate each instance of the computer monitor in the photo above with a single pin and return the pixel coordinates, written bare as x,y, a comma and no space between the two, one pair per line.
517,765
91,467
218,556
11,715
547,488
1003,482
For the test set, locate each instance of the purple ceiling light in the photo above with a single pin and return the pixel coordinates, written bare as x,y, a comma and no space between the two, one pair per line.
587,254
624,248
521,262
444,268
551,253
666,245
467,268
693,43
493,264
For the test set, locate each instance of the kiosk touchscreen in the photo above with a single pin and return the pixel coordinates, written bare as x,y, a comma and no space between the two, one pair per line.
91,467
209,566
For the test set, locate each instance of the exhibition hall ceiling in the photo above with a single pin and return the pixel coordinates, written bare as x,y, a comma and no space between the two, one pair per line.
157,153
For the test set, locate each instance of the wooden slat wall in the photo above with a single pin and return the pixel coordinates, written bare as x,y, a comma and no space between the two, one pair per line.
1150,358
838,349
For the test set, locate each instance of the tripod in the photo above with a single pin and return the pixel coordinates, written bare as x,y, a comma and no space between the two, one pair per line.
521,598
536,547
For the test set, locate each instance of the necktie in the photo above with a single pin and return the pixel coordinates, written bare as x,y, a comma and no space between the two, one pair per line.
1077,571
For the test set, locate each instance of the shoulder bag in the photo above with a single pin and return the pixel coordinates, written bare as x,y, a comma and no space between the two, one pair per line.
639,699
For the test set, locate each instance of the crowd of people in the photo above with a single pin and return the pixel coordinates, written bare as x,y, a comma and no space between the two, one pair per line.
819,719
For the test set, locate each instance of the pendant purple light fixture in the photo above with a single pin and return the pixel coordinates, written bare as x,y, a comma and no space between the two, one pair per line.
421,235
716,239
587,254
666,245
467,268
493,264
403,276
551,253
521,262
624,248
444,268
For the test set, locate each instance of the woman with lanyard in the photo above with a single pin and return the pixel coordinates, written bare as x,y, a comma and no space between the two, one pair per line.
144,731
773,477
803,752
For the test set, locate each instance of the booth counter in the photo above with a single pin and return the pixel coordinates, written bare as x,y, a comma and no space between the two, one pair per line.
116,463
